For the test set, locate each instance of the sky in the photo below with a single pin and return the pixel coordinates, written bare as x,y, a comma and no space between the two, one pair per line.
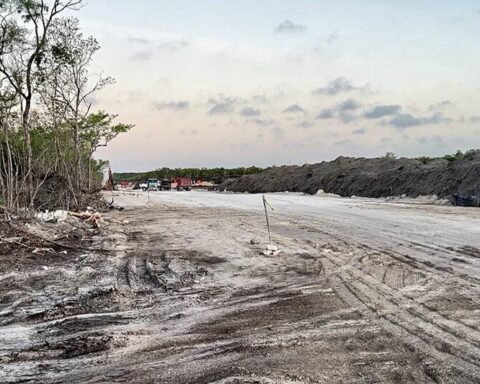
212,83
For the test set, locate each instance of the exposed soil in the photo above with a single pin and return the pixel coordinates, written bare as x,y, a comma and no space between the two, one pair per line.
185,297
379,177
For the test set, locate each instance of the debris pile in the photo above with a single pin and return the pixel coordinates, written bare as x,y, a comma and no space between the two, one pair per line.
271,250
378,177
90,216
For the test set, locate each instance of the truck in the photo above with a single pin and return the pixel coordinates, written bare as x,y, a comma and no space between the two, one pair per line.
152,184
165,184
184,183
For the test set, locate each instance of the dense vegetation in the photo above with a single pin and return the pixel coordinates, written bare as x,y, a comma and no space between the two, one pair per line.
207,174
221,174
48,130
459,155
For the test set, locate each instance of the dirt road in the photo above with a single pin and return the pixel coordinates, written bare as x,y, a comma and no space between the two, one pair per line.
362,292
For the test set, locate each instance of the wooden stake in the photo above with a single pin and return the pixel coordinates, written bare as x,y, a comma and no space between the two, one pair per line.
265,203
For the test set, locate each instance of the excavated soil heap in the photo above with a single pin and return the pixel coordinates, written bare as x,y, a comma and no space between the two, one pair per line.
378,177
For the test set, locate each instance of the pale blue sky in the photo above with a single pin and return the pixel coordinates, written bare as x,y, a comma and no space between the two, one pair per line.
210,83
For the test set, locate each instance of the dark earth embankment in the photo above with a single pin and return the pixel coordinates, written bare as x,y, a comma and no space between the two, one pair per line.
378,177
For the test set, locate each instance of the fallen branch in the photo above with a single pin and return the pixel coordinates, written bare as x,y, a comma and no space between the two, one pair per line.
60,245
13,241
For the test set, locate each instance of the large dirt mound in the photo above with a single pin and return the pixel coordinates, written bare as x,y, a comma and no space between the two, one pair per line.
378,177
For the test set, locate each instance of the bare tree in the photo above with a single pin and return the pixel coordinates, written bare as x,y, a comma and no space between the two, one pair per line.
73,54
24,31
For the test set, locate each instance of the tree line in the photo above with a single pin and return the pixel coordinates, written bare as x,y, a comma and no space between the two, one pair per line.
206,174
48,128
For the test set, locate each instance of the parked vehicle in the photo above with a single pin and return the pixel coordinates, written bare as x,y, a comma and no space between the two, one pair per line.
165,184
152,184
465,200
184,183
143,186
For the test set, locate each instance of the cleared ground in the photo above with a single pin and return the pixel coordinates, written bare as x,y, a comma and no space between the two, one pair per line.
362,292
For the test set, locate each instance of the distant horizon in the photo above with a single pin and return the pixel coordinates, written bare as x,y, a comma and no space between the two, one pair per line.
397,156
286,82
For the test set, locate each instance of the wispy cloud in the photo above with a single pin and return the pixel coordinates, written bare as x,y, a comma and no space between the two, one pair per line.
288,26
440,105
174,45
220,108
223,105
294,108
380,111
359,131
326,113
344,111
138,40
406,120
332,37
175,105
305,124
338,85
142,56
263,122
348,105
249,111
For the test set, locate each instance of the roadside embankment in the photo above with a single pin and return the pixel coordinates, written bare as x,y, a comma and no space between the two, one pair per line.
377,177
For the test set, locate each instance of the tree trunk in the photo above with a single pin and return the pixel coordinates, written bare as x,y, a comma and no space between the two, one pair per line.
78,158
28,145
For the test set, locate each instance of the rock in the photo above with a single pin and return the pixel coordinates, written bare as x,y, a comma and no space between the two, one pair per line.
271,250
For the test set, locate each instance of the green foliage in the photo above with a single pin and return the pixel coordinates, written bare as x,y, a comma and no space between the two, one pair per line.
459,155
390,155
207,174
424,159
97,130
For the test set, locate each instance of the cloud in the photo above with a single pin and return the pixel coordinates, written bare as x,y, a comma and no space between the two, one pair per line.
249,111
175,105
259,98
294,108
174,45
474,119
440,105
338,85
348,105
142,56
406,120
359,131
343,142
343,111
222,104
263,122
326,113
220,108
380,111
346,117
305,124
332,37
288,26
138,40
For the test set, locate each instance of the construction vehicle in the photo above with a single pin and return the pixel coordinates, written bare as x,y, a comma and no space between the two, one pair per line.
165,184
152,184
184,183
465,200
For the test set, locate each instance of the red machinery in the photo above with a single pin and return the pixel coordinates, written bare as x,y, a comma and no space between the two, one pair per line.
184,183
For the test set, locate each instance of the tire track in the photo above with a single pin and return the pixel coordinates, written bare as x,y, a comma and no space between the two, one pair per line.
444,339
